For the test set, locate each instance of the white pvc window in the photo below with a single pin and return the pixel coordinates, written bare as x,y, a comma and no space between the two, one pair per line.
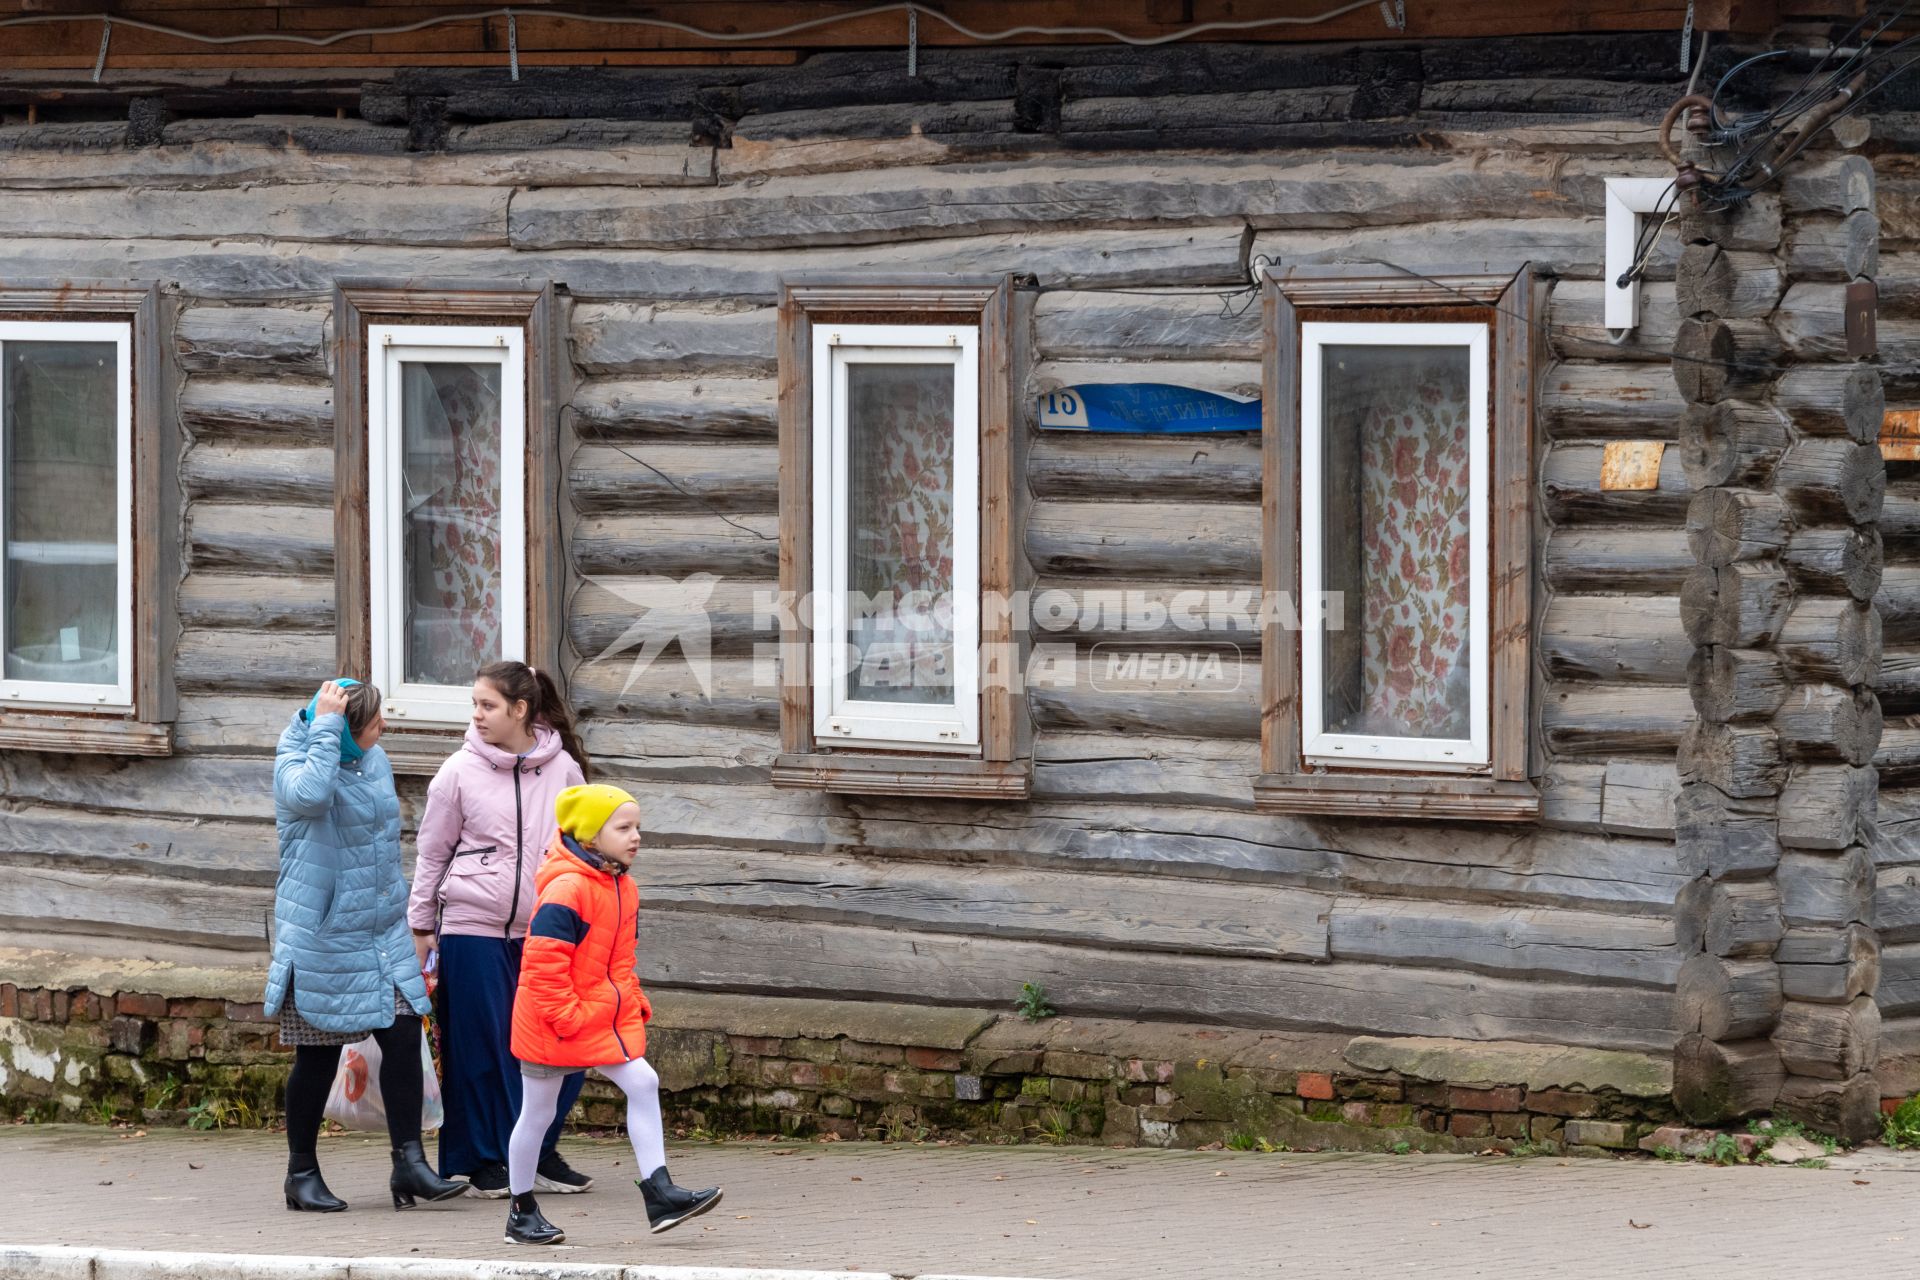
1394,545
447,529
896,591
66,515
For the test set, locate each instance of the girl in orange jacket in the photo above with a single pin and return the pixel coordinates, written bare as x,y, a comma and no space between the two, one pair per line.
579,1005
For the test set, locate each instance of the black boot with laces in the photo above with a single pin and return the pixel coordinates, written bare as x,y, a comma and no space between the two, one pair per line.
527,1225
667,1205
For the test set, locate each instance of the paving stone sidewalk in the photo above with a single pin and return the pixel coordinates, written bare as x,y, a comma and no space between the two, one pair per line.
1058,1213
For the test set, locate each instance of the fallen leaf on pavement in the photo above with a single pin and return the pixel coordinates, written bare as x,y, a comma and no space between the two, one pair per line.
1861,1182
1219,1173
857,1178
104,1182
999,1177
1033,1222
192,1165
741,1217
1638,1226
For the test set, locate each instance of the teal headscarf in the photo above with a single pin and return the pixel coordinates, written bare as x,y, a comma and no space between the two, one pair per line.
350,751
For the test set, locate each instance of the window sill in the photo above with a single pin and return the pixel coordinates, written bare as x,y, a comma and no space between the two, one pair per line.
901,775
83,734
1397,795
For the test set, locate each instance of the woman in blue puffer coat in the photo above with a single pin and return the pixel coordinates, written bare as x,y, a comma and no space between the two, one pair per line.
343,963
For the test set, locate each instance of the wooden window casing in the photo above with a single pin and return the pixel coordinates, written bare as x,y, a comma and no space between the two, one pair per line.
362,306
142,723
1001,765
1290,781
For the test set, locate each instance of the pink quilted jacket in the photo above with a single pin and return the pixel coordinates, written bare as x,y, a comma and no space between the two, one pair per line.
489,819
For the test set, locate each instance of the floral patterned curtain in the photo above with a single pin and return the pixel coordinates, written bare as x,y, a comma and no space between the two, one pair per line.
451,504
900,511
1398,466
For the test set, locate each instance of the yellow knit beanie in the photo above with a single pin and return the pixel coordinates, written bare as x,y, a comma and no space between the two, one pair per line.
582,811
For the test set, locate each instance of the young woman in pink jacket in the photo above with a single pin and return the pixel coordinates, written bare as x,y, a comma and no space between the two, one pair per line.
488,821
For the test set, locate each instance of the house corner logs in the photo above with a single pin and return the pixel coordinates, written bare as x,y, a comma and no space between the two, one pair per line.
1779,791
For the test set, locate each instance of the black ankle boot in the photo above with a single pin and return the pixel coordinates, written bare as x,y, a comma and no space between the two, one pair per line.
307,1190
412,1177
527,1225
667,1205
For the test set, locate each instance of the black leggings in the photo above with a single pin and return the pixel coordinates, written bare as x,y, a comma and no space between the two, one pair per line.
402,1087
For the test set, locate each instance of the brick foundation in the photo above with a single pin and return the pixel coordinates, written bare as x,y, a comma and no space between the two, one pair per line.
799,1068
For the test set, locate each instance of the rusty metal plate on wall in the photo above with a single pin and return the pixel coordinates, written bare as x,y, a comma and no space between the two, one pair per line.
1900,435
1631,464
1863,306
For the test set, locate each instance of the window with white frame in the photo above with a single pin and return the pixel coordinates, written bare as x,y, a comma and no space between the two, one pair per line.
1394,456
896,509
446,456
66,515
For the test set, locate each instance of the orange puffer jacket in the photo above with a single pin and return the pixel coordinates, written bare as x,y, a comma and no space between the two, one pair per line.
579,1003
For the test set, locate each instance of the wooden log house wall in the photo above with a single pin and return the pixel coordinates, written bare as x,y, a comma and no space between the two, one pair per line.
1137,881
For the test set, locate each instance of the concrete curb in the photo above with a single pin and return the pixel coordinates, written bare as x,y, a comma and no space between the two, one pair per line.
60,1262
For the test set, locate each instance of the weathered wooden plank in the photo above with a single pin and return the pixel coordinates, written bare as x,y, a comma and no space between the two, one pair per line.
253,341
641,338
1571,795
663,751
1639,798
1811,321
1727,999
651,476
1577,326
705,409
323,212
1071,766
237,537
799,958
1223,468
1636,639
1117,911
219,153
269,476
1616,559
611,617
254,661
224,724
1160,257
208,850
1566,246
1145,613
273,603
1834,186
48,901
1834,248
1899,989
1605,721
284,411
1209,693
1898,601
1619,401
676,545
737,692
1512,942
1141,325
983,200
1169,541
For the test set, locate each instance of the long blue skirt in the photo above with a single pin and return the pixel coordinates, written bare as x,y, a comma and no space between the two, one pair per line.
480,1079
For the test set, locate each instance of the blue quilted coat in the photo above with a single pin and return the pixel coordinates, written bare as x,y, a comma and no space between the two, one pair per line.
340,938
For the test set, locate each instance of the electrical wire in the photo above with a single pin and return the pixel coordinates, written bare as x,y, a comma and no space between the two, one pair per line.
702,33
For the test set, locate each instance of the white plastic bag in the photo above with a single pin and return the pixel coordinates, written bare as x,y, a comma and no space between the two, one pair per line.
355,1103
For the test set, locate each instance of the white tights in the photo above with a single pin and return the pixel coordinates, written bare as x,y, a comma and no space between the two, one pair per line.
540,1098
